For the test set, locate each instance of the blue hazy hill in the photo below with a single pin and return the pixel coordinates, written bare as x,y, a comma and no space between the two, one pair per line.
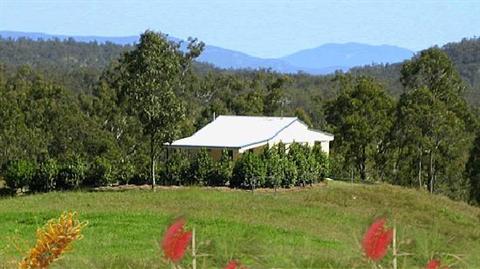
321,60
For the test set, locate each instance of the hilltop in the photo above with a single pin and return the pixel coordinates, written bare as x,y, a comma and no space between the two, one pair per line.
317,227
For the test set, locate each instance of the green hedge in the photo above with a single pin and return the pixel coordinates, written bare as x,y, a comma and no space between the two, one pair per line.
100,173
222,171
249,171
45,177
18,174
201,169
277,167
72,174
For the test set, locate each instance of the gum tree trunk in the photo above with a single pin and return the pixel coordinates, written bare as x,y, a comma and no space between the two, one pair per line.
152,159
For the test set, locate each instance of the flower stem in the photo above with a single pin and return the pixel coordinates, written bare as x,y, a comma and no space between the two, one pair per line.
394,246
194,255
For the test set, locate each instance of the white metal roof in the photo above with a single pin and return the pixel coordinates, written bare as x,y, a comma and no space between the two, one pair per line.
243,131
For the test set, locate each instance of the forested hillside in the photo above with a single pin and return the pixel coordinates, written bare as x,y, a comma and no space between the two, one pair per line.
80,64
319,61
464,54
75,65
93,114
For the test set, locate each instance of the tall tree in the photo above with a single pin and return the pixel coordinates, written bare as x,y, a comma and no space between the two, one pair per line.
360,116
433,69
151,75
434,124
473,171
427,133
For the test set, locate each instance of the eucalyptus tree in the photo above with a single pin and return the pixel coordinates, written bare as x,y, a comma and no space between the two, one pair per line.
361,115
433,69
434,125
151,76
427,133
473,171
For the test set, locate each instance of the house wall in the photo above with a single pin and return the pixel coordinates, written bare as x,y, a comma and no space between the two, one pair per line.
236,154
216,153
258,150
325,146
288,135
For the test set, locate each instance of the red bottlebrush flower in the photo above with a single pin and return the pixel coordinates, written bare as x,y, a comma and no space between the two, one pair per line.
176,241
376,240
231,265
234,265
433,264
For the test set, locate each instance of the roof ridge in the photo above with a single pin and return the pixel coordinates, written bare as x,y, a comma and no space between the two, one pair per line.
247,116
274,135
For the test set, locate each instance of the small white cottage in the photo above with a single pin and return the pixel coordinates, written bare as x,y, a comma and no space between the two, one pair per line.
248,133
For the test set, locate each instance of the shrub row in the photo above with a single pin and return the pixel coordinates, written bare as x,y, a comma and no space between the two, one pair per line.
200,169
275,167
53,175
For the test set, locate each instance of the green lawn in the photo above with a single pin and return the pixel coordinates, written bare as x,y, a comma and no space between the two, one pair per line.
318,227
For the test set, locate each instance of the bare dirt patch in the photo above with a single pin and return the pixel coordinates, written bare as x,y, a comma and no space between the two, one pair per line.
223,188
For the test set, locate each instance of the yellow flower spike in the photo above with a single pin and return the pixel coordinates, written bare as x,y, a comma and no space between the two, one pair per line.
53,240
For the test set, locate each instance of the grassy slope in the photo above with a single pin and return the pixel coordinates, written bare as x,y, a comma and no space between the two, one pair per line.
315,228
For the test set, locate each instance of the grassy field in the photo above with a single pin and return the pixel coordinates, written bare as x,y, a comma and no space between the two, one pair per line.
318,227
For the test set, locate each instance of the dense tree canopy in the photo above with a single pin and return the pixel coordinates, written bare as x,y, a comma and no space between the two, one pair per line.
361,115
473,171
85,113
434,125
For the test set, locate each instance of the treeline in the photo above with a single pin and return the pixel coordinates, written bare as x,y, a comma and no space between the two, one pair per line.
78,66
465,56
413,127
423,140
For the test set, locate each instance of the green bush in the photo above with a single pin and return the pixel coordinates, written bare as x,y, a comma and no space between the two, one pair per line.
273,165
281,150
125,172
100,173
290,173
298,154
249,171
322,160
288,167
276,167
142,169
222,171
312,174
19,173
176,168
71,174
45,177
201,168
139,179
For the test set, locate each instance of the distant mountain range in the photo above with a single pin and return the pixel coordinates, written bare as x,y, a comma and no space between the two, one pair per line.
320,60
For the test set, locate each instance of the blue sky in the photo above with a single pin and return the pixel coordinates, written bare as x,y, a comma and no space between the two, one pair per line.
264,28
